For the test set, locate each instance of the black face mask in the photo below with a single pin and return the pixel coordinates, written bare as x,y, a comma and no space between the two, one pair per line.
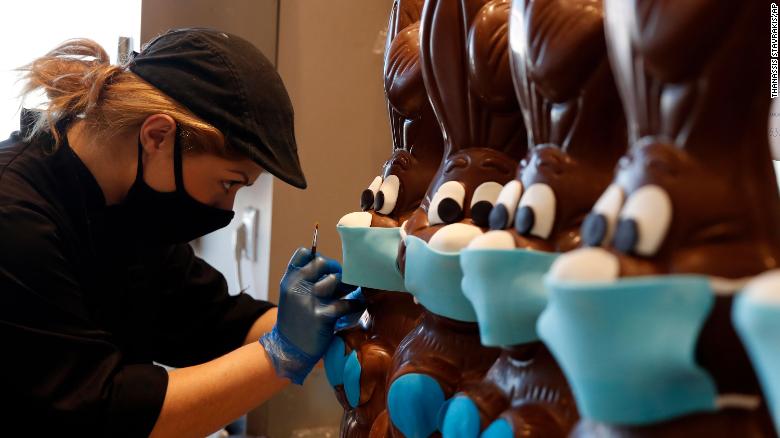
167,217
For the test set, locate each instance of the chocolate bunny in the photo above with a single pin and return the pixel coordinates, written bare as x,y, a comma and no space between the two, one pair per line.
577,132
466,72
642,325
359,358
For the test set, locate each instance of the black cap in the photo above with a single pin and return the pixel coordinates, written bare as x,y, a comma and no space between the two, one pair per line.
230,84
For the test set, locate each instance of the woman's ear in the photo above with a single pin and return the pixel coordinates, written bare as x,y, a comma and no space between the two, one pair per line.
158,134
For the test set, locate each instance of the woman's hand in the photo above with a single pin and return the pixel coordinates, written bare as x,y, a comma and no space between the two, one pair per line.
309,306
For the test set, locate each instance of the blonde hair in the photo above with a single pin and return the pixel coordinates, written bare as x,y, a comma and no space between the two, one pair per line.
79,82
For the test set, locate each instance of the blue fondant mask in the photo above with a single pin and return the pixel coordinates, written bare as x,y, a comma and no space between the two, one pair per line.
369,255
507,292
758,325
434,278
627,348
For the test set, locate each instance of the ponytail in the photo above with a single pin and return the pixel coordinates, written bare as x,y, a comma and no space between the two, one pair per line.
79,81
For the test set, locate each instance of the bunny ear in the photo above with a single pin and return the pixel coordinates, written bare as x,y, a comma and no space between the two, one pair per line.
403,78
634,85
466,71
678,37
403,85
556,38
412,121
402,14
658,50
443,60
555,49
563,80
489,72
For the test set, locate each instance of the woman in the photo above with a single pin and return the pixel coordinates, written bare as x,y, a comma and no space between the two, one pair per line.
99,193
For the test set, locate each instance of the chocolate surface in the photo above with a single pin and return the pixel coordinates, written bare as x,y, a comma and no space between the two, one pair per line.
525,387
571,110
417,139
726,423
417,152
470,89
692,79
391,316
465,64
698,129
470,167
577,132
448,350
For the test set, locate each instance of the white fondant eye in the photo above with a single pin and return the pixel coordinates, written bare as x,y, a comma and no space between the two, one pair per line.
388,195
482,202
447,204
369,194
536,212
599,226
503,212
644,221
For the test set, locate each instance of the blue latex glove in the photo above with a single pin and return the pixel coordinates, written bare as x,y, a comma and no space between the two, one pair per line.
309,306
352,319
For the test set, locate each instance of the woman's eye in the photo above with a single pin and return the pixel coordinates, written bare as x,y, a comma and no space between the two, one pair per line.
368,195
536,212
599,226
227,185
503,213
482,202
447,204
387,195
644,221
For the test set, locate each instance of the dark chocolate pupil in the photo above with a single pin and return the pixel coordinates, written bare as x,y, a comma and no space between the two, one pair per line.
366,200
626,235
480,213
499,217
524,221
449,210
594,229
379,201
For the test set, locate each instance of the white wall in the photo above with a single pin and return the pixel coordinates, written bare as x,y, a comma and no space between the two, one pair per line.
31,28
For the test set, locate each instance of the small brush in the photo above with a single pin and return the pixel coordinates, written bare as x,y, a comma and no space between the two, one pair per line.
314,239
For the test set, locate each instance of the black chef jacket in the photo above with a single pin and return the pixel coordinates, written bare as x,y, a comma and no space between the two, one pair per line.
85,308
